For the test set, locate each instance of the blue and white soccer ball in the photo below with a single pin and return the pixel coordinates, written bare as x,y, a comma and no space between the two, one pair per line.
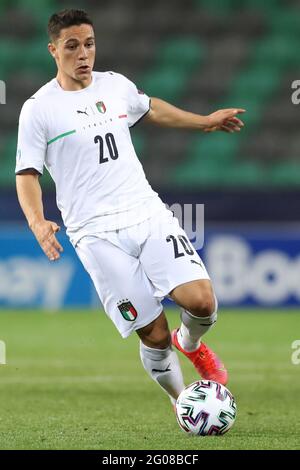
205,408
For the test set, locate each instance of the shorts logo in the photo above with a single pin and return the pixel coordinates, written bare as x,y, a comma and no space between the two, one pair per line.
127,310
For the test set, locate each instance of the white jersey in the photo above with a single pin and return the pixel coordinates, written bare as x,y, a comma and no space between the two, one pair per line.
83,139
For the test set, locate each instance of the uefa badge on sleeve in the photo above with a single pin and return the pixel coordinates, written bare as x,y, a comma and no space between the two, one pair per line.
127,310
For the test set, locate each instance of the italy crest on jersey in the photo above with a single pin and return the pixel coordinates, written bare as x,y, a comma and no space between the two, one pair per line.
127,310
101,107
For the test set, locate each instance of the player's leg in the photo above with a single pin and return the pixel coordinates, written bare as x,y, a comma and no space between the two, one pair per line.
198,311
176,270
128,299
158,358
198,315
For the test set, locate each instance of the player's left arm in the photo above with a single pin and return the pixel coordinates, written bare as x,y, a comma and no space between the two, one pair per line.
164,114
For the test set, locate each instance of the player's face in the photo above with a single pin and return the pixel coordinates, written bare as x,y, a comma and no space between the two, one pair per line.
74,52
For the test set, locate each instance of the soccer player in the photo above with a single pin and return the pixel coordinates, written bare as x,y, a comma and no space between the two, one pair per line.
77,126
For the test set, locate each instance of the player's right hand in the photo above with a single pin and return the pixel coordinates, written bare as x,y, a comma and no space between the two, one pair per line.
44,232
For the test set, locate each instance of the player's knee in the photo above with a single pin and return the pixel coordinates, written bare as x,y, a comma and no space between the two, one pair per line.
203,303
157,338
160,340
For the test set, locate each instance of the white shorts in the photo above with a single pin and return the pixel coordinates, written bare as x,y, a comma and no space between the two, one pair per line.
134,268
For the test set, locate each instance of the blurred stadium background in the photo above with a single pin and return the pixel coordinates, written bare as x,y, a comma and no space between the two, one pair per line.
200,55
56,390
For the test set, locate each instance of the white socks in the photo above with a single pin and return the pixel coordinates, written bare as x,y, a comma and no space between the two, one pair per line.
163,366
193,328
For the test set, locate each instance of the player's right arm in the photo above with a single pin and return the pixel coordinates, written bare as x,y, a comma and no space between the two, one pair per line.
30,198
32,148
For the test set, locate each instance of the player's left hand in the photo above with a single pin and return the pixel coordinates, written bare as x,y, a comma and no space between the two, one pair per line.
225,120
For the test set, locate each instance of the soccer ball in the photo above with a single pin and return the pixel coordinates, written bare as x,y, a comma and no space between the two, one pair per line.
205,408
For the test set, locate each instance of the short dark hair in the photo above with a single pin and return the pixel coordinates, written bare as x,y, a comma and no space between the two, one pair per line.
65,19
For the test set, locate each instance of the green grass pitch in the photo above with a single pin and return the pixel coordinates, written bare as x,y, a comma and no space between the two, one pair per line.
71,382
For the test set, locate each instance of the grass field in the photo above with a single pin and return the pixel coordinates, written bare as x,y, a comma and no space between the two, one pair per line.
72,383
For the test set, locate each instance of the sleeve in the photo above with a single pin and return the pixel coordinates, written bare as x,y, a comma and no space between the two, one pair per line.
32,139
138,103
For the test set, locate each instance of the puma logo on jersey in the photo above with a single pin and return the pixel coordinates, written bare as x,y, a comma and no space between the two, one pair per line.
82,112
